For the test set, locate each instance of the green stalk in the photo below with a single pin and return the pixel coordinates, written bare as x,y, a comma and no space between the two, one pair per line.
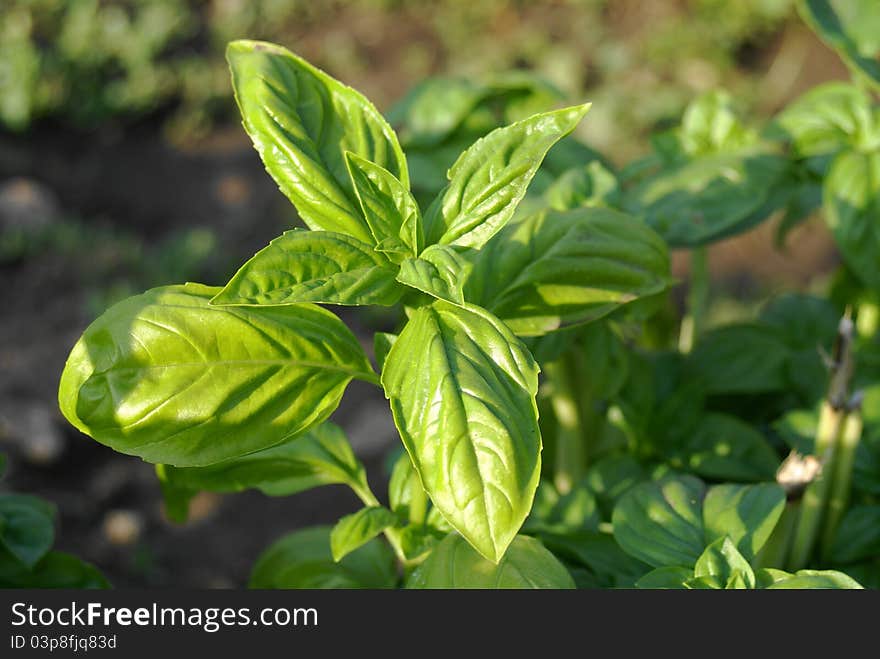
392,535
774,554
841,479
697,300
570,454
418,505
816,495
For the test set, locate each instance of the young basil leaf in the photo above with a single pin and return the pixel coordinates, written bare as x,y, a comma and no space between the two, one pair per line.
302,559
858,536
851,29
302,122
171,378
555,269
320,456
829,118
390,210
665,578
661,523
592,184
454,564
27,527
722,560
313,266
851,199
355,530
721,446
382,342
812,579
710,125
418,540
440,271
54,570
488,181
462,390
747,514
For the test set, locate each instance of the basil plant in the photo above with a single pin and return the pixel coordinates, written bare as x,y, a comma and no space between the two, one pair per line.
227,388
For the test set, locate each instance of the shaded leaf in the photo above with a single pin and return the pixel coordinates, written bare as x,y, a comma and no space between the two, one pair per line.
661,523
302,559
454,564
555,269
746,514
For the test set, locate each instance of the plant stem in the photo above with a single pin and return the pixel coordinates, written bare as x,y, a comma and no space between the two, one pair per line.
841,478
816,494
418,505
775,551
697,300
571,457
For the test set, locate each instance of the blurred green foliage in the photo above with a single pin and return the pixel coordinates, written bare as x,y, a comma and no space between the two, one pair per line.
85,61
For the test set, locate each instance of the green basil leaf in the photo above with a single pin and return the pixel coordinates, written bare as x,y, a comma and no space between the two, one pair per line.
829,118
740,358
556,269
708,198
600,554
723,447
356,529
665,578
851,199
722,559
313,266
704,583
661,523
747,514
54,570
454,564
171,378
440,271
320,456
434,108
573,511
767,576
302,122
812,579
27,527
302,559
805,321
858,536
592,184
488,181
462,390
851,28
390,210
612,476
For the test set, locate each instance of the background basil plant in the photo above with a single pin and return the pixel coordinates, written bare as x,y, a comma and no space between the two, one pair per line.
230,387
